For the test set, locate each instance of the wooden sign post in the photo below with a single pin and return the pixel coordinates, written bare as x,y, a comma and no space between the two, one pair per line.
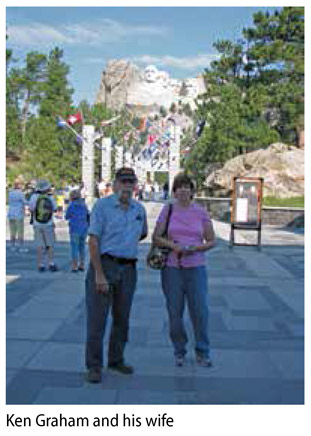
246,207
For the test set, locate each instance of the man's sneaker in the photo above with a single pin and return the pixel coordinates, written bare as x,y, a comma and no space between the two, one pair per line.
204,361
41,268
53,267
121,367
94,375
179,360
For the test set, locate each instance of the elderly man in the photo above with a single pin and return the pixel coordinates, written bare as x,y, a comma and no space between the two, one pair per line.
117,224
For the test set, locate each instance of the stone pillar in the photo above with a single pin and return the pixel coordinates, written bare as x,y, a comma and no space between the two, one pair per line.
128,160
118,157
138,170
88,163
151,176
106,159
174,154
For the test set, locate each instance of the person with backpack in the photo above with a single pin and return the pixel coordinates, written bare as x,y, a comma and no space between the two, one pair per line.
43,207
78,216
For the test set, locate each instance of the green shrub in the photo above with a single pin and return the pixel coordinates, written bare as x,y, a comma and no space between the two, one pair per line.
284,202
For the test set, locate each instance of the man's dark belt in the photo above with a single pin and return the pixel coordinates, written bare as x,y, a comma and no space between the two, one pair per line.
120,260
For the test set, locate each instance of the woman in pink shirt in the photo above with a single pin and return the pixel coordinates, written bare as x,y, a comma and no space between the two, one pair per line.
190,234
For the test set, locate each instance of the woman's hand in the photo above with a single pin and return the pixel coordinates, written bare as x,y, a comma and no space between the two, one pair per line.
178,249
190,249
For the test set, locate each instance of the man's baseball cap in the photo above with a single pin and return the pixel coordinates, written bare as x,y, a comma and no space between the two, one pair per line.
126,173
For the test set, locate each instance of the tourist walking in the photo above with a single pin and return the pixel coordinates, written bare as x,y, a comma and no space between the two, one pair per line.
102,188
108,189
82,191
147,191
16,213
184,278
78,216
60,203
43,207
117,224
165,191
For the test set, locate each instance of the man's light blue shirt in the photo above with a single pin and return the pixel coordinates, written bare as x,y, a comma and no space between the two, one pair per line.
118,230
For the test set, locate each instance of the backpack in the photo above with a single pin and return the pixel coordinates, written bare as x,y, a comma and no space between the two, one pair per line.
44,209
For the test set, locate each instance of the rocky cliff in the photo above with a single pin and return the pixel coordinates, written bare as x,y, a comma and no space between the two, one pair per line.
124,83
281,166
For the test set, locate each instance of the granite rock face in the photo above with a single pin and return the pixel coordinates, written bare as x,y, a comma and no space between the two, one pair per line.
281,166
124,83
115,82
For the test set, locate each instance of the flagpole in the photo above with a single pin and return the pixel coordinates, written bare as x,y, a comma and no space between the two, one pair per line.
82,119
71,128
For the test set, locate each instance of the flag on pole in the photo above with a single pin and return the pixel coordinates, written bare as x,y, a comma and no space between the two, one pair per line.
199,128
79,140
61,123
75,118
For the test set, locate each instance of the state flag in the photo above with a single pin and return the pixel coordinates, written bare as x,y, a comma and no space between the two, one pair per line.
75,118
61,123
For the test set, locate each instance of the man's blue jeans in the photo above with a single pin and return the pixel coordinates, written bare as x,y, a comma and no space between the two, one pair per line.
187,284
123,278
77,243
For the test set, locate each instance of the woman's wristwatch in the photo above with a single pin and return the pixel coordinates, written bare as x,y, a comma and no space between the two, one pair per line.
190,248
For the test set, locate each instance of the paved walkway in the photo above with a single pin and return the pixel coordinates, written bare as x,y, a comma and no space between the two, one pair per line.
256,330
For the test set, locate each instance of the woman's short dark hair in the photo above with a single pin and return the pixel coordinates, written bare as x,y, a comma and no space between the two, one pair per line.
182,179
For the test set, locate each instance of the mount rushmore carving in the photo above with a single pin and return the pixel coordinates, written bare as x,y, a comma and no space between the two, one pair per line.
124,83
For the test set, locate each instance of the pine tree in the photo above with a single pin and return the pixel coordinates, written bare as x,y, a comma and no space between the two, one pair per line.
254,90
57,98
53,153
13,124
33,77
277,56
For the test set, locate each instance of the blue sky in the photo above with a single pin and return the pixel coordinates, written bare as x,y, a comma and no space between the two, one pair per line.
176,39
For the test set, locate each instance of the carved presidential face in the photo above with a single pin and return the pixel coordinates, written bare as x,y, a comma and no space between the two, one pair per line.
175,85
164,78
150,74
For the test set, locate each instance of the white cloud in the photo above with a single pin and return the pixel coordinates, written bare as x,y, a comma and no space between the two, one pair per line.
35,34
95,33
182,63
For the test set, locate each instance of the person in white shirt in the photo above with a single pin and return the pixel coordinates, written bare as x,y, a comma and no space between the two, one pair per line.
102,188
147,191
16,213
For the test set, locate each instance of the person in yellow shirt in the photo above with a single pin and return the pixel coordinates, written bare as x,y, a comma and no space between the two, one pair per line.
60,201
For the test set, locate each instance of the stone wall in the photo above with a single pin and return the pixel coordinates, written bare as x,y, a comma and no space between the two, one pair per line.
283,216
219,209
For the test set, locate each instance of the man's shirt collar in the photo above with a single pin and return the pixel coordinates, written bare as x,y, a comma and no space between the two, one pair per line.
116,202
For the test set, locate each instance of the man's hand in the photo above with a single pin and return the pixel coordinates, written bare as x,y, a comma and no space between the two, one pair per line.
101,284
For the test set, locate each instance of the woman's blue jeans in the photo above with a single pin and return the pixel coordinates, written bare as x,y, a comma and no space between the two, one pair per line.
189,285
77,243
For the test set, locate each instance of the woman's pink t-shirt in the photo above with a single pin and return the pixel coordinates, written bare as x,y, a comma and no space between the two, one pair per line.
186,227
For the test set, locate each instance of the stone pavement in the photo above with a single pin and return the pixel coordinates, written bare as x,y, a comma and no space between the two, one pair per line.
256,330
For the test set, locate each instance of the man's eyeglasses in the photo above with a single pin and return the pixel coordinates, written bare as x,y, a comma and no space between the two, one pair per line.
131,181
